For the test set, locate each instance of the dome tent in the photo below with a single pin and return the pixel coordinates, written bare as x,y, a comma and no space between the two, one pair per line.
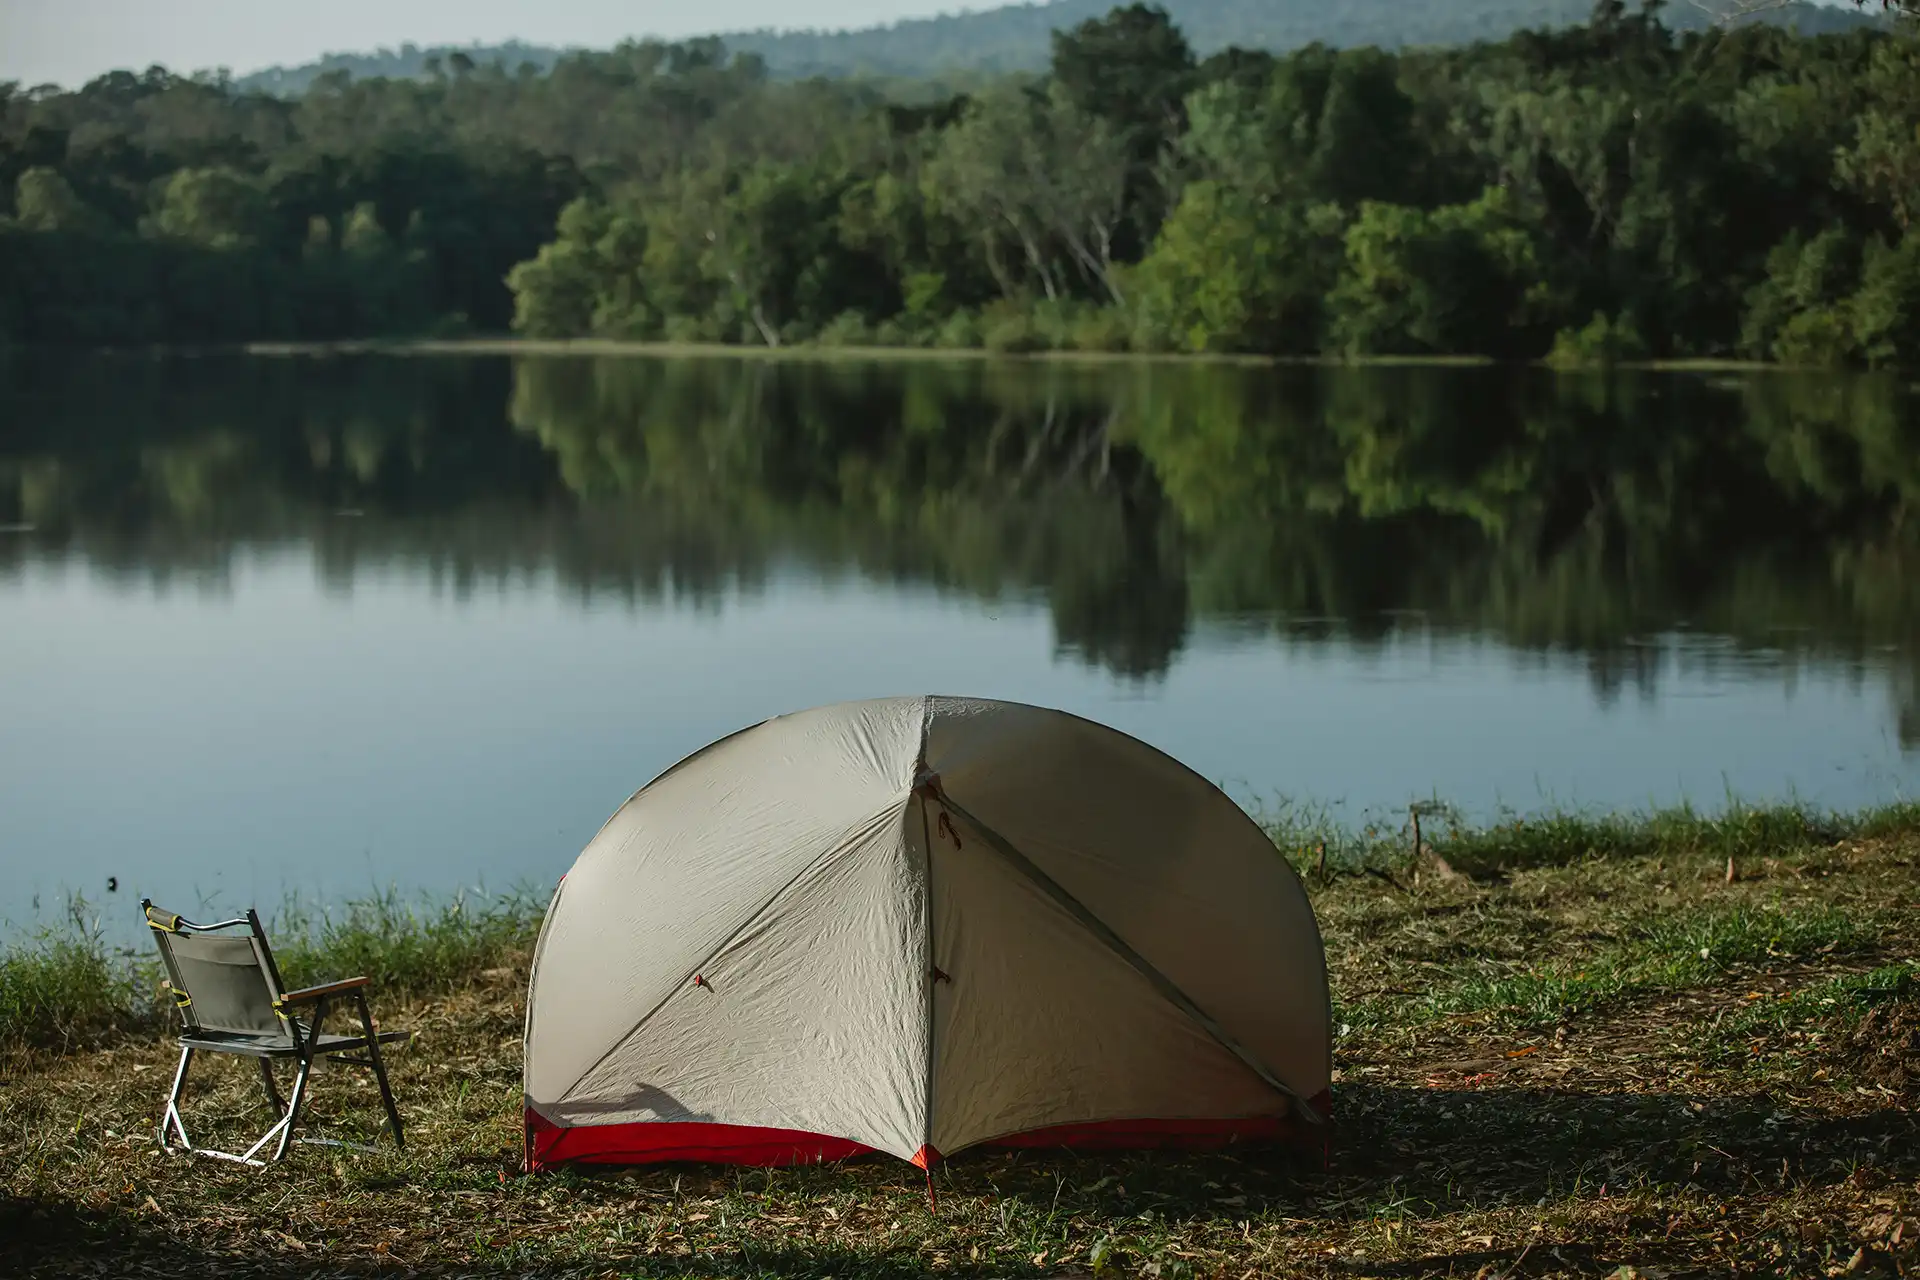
917,925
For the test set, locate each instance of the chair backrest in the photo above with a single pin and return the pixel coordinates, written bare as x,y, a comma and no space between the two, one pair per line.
222,979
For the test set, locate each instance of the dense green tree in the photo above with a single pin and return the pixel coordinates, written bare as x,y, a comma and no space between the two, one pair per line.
1458,278
1886,310
1665,187
1045,184
1883,164
1130,71
1232,273
43,201
214,208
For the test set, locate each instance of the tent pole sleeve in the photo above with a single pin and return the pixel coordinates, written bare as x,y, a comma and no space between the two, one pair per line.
1098,927
933,961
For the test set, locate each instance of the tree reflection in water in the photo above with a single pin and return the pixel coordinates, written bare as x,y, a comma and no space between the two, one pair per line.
1608,515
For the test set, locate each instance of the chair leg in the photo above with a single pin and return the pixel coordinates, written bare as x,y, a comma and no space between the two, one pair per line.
285,1127
274,1100
380,1071
170,1119
311,1039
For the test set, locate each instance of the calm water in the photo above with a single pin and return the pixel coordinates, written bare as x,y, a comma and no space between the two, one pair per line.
274,626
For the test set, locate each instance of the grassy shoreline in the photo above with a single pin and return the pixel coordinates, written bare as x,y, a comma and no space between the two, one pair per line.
70,986
826,352
1676,1043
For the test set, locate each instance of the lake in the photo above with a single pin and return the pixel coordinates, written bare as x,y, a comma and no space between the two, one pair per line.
277,626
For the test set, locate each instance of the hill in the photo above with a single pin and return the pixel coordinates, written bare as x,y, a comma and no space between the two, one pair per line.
1015,37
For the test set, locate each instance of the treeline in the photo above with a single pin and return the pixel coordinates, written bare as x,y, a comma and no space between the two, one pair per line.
1603,192
156,208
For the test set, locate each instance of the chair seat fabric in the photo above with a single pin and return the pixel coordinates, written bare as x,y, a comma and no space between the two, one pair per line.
254,1046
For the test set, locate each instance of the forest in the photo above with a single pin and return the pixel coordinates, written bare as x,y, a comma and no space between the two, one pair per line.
1612,191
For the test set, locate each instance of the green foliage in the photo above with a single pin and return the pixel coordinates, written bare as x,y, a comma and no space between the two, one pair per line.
1797,314
960,330
1603,340
1045,184
69,984
1742,191
1830,301
1230,273
1013,335
1096,328
1883,164
419,948
64,985
43,201
848,329
1129,71
214,208
1886,310
1462,278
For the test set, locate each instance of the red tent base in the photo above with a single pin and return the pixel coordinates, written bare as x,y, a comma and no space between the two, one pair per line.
549,1145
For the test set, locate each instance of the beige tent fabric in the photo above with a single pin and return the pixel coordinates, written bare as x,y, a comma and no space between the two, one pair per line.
796,871
1163,859
806,1020
1043,1024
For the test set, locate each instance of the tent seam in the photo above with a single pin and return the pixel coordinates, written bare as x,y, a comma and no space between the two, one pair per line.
1169,990
933,987
1313,918
846,841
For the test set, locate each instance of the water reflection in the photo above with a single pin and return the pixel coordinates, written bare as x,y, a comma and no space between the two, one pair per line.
322,626
1589,514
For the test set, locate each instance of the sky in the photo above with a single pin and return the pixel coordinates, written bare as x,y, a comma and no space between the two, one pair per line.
68,42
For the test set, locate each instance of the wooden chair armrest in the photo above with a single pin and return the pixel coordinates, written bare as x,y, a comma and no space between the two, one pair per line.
306,994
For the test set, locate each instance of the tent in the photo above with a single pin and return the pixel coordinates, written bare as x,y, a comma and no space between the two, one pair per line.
918,925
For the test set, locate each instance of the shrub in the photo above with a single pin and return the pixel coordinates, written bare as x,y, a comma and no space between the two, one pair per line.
1603,341
1015,335
848,329
961,331
1100,329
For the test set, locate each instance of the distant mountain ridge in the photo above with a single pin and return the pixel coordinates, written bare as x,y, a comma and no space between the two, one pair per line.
1015,37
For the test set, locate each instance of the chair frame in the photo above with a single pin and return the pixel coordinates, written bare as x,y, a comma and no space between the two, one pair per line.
299,1039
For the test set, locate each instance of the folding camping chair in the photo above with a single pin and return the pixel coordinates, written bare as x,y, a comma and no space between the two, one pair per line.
231,1000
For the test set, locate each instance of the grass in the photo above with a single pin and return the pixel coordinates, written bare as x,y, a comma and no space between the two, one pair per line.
409,949
1670,953
64,986
1582,1048
71,987
1311,837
